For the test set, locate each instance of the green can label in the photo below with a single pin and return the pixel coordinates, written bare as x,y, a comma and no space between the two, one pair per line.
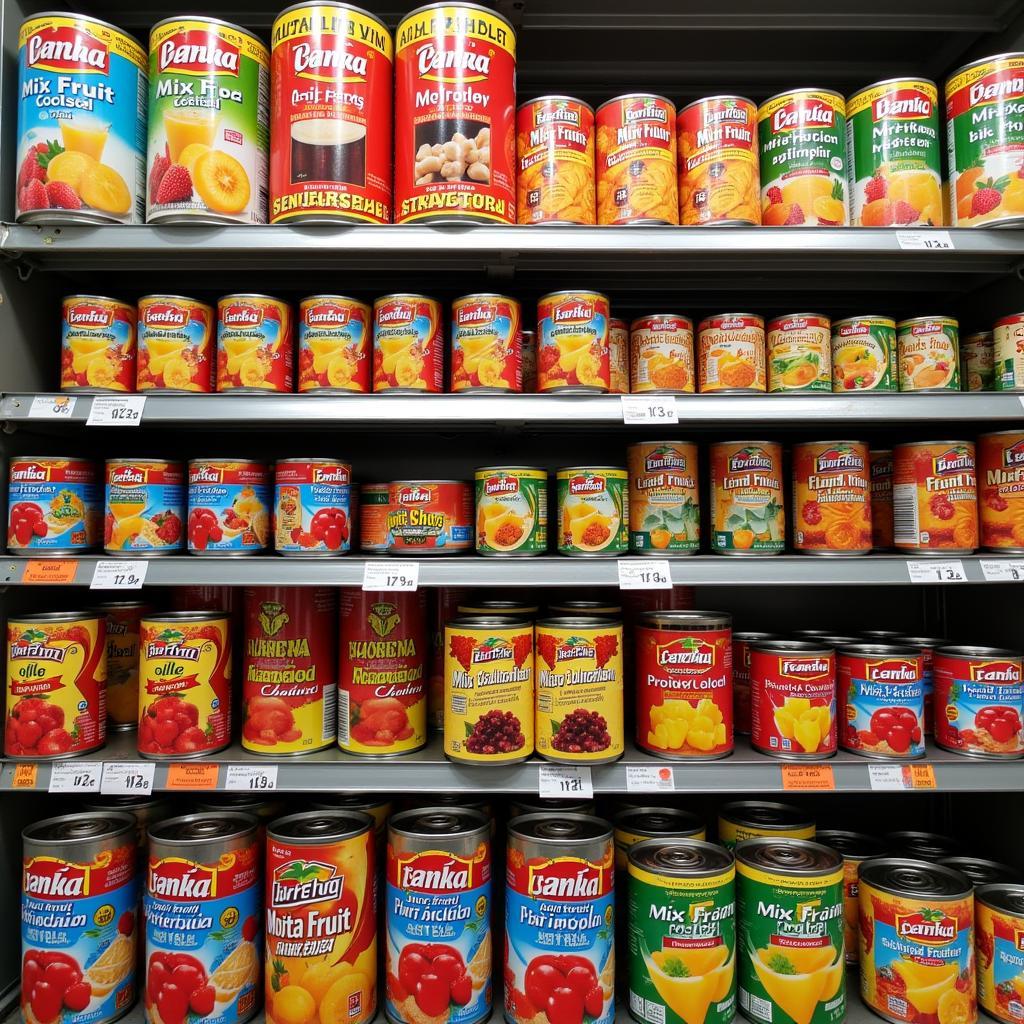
929,354
977,362
1008,353
592,512
895,154
511,512
864,354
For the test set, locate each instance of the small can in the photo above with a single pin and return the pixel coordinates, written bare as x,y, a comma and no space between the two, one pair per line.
312,507
634,825
573,346
430,517
998,924
486,334
636,161
56,685
719,177
661,354
831,498
977,361
555,162
511,511
618,357
1001,486
927,846
881,499
684,702
741,647
731,354
747,505
97,345
928,352
881,700
228,507
927,645
1008,353
559,864
528,361
864,354
335,346
488,689
592,511
979,701
123,626
935,497
980,871
184,684
373,516
144,507
438,879
752,819
255,352
799,353
175,344
664,499
408,344
793,700
53,505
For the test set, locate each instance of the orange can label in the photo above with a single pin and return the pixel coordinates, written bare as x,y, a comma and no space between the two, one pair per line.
747,509
408,347
334,343
934,496
881,499
832,497
486,339
1001,482
254,344
122,633
661,353
97,344
573,329
430,517
731,353
175,344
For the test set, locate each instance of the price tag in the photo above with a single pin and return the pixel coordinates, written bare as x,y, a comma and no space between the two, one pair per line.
922,776
253,777
557,780
116,411
888,776
924,240
192,776
75,776
51,407
1003,571
50,570
640,409
127,778
25,776
808,776
937,572
391,576
119,574
644,574
643,778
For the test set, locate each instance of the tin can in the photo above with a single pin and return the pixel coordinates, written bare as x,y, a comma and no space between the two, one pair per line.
998,923
144,506
528,360
476,605
934,497
455,105
573,346
382,697
980,871
881,498
752,819
793,700
741,646
79,927
917,948
831,498
82,84
334,344
555,162
592,511
731,354
430,517
1008,353
97,345
895,154
373,516
209,86
661,354
927,645
719,178
330,116
254,344
511,511
439,904
802,142
927,846
881,700
979,701
799,353
444,606
864,354
123,622
53,505
618,357
312,507
538,805
664,499
204,911
378,810
408,345
928,351
633,825
636,161
486,330
559,912
605,609
261,808
747,504
184,684
977,361
488,689
228,507
684,703
175,344
1001,484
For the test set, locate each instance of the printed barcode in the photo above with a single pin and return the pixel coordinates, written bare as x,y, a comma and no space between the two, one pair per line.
459,705
343,734
544,702
905,523
330,711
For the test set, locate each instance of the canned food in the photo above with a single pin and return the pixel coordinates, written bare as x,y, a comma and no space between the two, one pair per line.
97,344
144,507
928,351
378,810
747,505
799,353
592,511
312,507
864,354
831,498
979,871
661,354
254,344
741,646
977,361
664,500
998,923
528,359
373,516
408,346
752,819
573,342
228,507
144,809
511,511
429,517
175,343
526,805
618,357
634,825
444,606
923,845
53,505
1008,353
602,608
486,332
258,807
927,646
335,350
881,498
123,619
475,605
731,354
1001,482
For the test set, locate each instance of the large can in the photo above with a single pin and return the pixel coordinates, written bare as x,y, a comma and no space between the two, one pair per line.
430,517
486,337
374,505
455,103
312,507
731,354
54,505
664,497
176,344
555,162
559,918
56,685
864,354
741,648
881,498
1001,491
752,819
928,352
330,115
123,623
254,344
799,352
79,925
592,511
82,100
927,846
209,84
747,504
204,914
831,498
1008,353
511,511
144,507
334,350
97,344
661,354
977,361
998,924
633,825
573,347
438,924
408,344
228,507
981,871
789,906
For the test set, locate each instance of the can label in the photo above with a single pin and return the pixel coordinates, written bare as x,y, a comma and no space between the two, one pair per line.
408,347
82,90
175,344
741,684
998,939
334,344
977,361
573,342
731,353
793,703
1001,482
528,361
144,507
934,497
555,155
881,703
374,503
97,344
445,606
486,332
731,833
122,634
881,500
831,497
864,355
228,506
511,512
661,354
746,498
592,511
799,353
618,357
929,354
851,910
312,507
429,517
330,111
254,344
209,87
978,705
53,505
664,501
1008,353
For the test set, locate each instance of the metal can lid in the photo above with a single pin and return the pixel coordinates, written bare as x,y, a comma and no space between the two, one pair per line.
837,641
863,648
980,871
852,845
543,805
809,647
686,619
57,616
925,845
618,471
792,93
601,608
637,96
681,858
876,318
765,814
204,827
409,295
564,829
1001,896
573,291
347,802
487,622
905,876
880,634
330,296
748,636
718,96
966,652
788,856
554,97
496,606
923,641
577,622
658,821
189,616
900,324
86,827
248,802
309,827
512,469
439,821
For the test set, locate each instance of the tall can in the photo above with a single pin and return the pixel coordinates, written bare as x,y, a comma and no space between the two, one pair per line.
123,626
881,498
864,354
176,345
731,354
928,352
455,103
634,825
330,116
661,354
664,497
54,505
408,344
209,84
742,643
747,502
144,507
798,350
977,361
312,507
753,819
511,511
255,352
573,342
97,344
831,498
1001,490
229,508
618,357
334,344
998,923
593,517
1008,353
486,338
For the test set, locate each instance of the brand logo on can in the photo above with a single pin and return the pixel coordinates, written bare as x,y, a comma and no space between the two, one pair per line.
476,313
67,49
847,330
300,882
995,87
180,880
904,104
928,927
664,458
646,110
815,115
435,872
241,315
194,53
433,63
396,313
38,652
732,323
1013,455
205,474
163,649
576,311
501,485
87,314
164,314
564,878
414,495
797,323
728,111
326,314
995,672
952,461
929,327
324,65
837,458
128,475
892,671
558,113
52,878
330,475
749,458
586,485
804,668
496,650
574,648
687,652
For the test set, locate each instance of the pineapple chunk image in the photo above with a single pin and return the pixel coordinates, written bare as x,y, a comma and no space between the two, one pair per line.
678,723
805,725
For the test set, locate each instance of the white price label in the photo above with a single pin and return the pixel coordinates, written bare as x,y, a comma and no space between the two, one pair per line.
51,407
119,574
644,574
649,409
391,576
116,411
887,776
924,240
75,776
561,780
643,778
937,572
252,777
127,778
1005,570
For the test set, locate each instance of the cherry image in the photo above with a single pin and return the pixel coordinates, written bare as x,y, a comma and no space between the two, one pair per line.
582,731
435,974
177,984
170,725
496,733
36,726
203,527
896,726
1002,723
51,982
565,987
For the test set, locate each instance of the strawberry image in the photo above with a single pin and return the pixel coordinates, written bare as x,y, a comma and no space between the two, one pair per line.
159,169
175,186
904,213
33,167
62,195
988,196
876,188
33,196
774,195
796,215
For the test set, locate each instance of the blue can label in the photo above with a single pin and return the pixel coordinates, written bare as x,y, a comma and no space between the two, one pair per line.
228,506
144,507
312,507
882,704
53,505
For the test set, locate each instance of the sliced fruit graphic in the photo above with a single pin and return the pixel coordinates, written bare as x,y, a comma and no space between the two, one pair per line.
221,182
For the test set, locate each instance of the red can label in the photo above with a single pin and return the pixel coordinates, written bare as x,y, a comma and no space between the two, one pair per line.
793,703
741,650
254,344
433,517
486,338
312,507
53,506
144,506
573,347
334,343
408,345
97,341
228,506
881,704
175,342
881,500
979,704
1001,489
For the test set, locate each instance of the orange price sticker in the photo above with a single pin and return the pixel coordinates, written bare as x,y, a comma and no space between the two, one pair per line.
50,570
25,776
192,776
922,776
808,776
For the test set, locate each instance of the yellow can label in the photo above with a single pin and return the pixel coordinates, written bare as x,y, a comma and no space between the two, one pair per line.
731,832
624,840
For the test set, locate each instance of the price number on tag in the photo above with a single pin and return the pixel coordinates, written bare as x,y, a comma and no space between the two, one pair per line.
391,576
644,574
922,240
565,780
1003,571
640,409
83,777
937,572
127,778
119,574
116,411
252,778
